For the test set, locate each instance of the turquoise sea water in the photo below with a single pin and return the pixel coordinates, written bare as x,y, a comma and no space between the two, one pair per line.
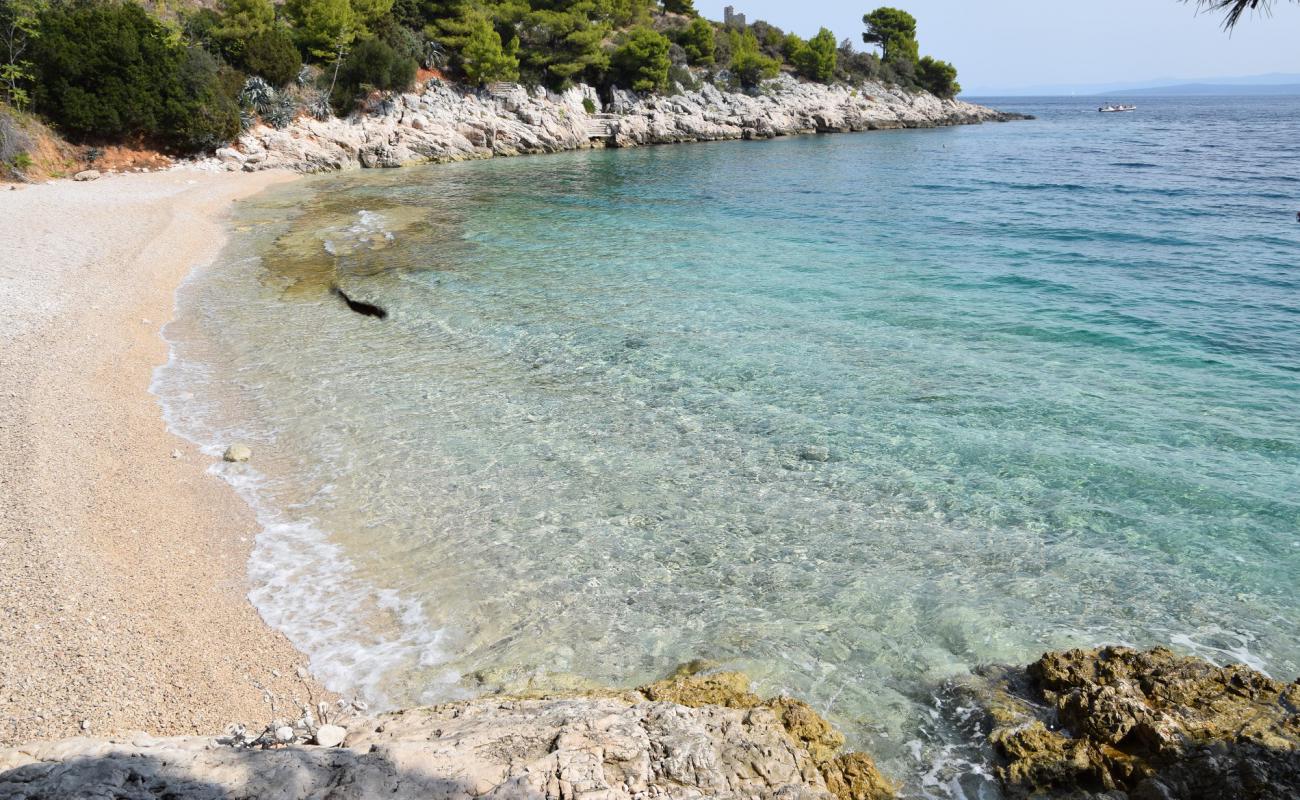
852,413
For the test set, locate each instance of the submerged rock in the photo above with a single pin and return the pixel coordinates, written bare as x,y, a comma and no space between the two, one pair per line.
237,453
1143,725
813,452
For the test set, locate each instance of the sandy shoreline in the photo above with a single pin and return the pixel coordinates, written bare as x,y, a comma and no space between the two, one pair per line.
122,568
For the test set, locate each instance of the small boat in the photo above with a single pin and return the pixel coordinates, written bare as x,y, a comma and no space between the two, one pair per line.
1111,108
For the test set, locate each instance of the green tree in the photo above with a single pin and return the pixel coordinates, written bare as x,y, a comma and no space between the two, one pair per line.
372,65
816,58
366,13
483,57
937,77
791,46
680,7
619,14
203,114
272,55
749,65
894,31
698,41
19,27
323,28
102,69
560,46
641,61
238,21
105,69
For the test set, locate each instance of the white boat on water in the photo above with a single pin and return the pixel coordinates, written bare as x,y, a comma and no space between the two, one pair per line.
1111,108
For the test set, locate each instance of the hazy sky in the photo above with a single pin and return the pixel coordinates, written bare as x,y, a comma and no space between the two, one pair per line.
1016,43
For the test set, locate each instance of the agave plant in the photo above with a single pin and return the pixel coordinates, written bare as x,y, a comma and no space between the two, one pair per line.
246,120
435,55
318,105
258,95
281,113
306,75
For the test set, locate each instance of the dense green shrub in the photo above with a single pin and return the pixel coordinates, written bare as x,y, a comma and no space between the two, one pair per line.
855,66
106,69
406,42
372,65
937,77
561,47
816,58
748,65
238,22
698,41
322,28
641,61
680,7
204,114
272,55
483,57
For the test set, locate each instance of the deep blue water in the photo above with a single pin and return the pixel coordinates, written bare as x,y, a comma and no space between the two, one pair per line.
853,413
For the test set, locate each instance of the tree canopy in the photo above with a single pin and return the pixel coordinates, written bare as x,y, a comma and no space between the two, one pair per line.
894,30
816,58
641,61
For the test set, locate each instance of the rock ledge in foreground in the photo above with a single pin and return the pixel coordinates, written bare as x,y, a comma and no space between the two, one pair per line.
607,746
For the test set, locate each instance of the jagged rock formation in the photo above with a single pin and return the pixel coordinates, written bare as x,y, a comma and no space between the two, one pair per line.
1118,723
606,746
445,123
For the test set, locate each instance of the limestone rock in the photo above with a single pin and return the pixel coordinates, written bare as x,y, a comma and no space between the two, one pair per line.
606,748
87,175
237,453
330,735
447,123
1149,725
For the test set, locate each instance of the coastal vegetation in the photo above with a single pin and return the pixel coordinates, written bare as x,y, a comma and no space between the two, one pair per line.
188,77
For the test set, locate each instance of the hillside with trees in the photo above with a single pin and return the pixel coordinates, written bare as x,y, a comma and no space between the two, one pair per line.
185,77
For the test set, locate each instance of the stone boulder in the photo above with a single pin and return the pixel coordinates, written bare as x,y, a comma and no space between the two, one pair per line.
1120,723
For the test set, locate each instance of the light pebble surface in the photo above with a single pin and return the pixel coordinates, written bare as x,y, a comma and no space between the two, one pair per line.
122,568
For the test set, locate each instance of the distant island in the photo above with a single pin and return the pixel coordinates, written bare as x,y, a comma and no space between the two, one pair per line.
1269,84
1212,89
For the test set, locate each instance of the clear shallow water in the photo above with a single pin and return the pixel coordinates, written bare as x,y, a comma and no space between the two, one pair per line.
1053,368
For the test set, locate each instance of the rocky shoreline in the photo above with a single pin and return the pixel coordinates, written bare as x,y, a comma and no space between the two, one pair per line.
443,122
1112,724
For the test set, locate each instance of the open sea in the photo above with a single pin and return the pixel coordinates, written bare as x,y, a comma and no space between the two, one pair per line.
851,413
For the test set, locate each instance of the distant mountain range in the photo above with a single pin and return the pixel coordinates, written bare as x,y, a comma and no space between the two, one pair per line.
1271,84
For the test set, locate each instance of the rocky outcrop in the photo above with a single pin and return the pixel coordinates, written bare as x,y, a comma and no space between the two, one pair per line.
603,747
1119,723
446,123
